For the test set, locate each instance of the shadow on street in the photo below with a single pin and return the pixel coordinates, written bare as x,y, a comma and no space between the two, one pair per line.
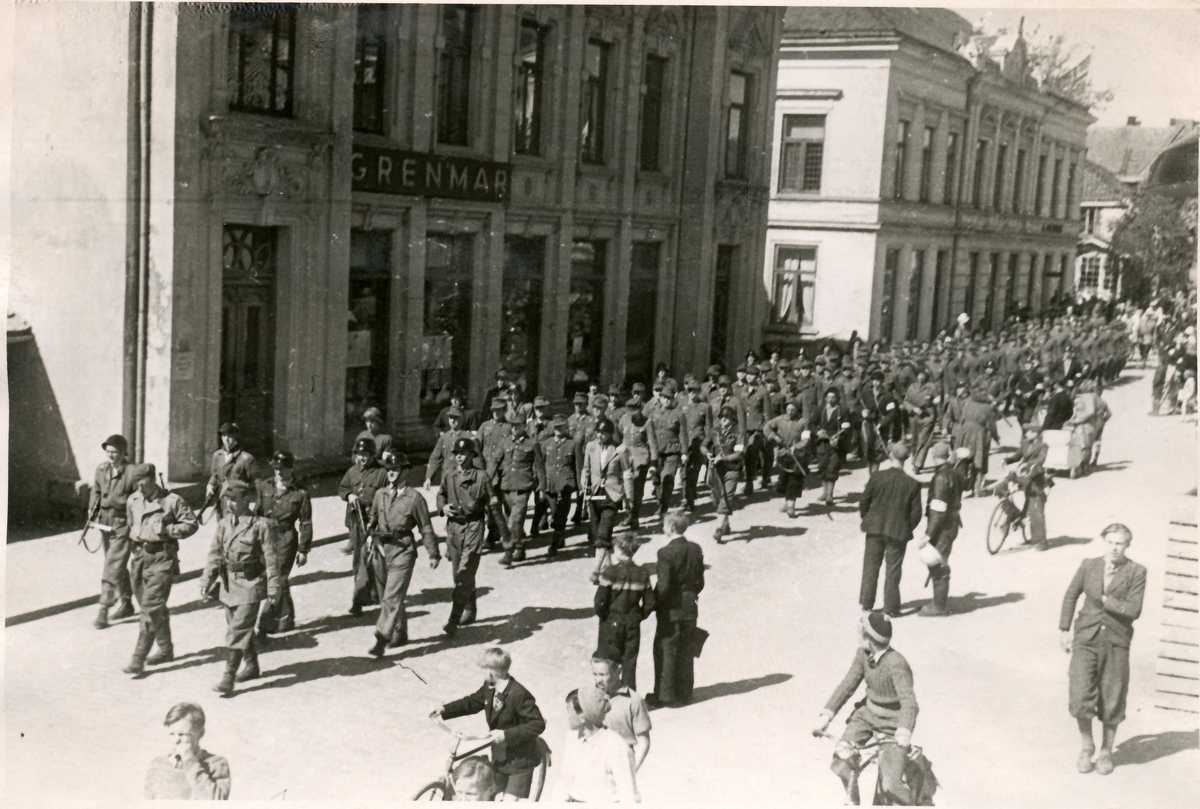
706,692
1146,748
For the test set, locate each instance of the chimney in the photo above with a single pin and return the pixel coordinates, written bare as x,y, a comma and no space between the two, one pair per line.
1132,121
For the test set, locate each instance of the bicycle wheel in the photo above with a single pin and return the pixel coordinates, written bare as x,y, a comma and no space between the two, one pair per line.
437,791
997,529
539,772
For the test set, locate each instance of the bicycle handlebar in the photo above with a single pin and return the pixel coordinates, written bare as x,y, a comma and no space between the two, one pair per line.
876,740
441,723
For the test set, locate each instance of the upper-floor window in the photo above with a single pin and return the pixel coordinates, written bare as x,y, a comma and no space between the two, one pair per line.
1039,187
1055,183
951,168
527,111
260,59
454,75
370,53
900,167
652,112
595,102
998,183
801,152
737,124
1070,190
926,164
1089,220
1089,272
977,183
1018,182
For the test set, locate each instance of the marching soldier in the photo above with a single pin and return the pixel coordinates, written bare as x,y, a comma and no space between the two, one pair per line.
671,439
230,462
397,511
789,435
942,522
538,426
242,570
358,488
492,434
114,483
698,414
582,425
517,471
759,411
440,459
563,458
637,434
724,448
287,508
465,498
157,520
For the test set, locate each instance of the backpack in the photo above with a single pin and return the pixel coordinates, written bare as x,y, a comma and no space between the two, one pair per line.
918,774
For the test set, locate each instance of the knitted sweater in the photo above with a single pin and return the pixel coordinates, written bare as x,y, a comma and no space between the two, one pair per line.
889,685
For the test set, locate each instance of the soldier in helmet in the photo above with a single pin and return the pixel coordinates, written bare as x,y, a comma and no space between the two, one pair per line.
518,469
242,570
230,462
465,499
397,511
358,488
288,510
157,520
113,486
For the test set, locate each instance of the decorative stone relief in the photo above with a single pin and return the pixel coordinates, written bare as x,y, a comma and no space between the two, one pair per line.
264,176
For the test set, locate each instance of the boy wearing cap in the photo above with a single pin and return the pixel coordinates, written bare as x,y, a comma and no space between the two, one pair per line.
890,707
287,508
373,418
517,471
562,456
114,483
513,717
396,512
230,462
465,499
942,521
242,570
1113,586
357,488
157,520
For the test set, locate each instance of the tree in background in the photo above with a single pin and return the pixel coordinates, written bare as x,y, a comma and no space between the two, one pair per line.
1156,240
1057,67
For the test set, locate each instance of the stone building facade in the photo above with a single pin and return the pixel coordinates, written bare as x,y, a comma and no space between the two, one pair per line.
919,173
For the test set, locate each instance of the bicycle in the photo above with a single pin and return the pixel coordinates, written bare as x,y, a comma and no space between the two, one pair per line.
443,788
872,748
1008,515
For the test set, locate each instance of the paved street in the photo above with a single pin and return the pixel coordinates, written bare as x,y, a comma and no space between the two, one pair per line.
326,722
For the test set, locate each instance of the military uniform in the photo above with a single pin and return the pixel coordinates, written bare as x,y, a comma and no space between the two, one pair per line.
759,410
624,598
111,489
235,465
699,418
519,470
362,482
155,528
942,521
288,511
563,458
395,514
724,447
637,434
671,437
467,493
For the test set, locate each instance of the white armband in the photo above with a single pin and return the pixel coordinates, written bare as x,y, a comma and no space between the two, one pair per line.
937,505
891,406
845,425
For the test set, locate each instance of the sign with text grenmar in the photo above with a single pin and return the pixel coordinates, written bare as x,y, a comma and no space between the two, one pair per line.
392,171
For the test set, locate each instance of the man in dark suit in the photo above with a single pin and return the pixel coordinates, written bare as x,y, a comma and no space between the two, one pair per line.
1112,586
890,509
680,573
512,716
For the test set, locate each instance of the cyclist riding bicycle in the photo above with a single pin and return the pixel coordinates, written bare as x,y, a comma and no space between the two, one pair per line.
889,707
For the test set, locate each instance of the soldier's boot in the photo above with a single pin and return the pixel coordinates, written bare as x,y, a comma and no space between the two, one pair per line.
518,554
250,668
124,609
380,646
101,621
232,661
941,592
138,663
556,542
166,648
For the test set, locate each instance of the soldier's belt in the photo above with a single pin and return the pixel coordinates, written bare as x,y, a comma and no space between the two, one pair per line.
251,570
156,547
466,518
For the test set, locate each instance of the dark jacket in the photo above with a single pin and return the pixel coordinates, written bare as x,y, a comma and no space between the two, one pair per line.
680,579
891,505
286,512
945,500
624,593
1106,616
563,459
518,717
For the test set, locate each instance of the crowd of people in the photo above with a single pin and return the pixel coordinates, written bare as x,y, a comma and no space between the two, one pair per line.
775,425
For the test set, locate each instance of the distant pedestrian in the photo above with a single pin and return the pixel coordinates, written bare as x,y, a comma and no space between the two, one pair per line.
627,714
597,764
890,509
623,600
112,487
513,717
242,570
187,772
157,520
680,572
1113,587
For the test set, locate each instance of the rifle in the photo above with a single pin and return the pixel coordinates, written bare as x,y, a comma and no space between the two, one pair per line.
211,500
91,520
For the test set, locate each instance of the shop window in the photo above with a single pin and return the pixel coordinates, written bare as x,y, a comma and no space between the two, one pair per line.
652,112
370,63
367,327
527,111
795,286
801,153
643,311
454,75
595,102
521,313
585,314
260,59
446,347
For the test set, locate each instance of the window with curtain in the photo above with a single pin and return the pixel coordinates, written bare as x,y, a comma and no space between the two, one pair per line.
260,59
801,151
795,286
737,125
527,111
595,99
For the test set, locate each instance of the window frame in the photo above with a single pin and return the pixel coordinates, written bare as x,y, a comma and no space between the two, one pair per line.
981,148
998,182
652,114
592,149
1018,180
925,187
446,130
531,143
250,18
900,163
380,40
739,169
803,278
953,141
806,147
